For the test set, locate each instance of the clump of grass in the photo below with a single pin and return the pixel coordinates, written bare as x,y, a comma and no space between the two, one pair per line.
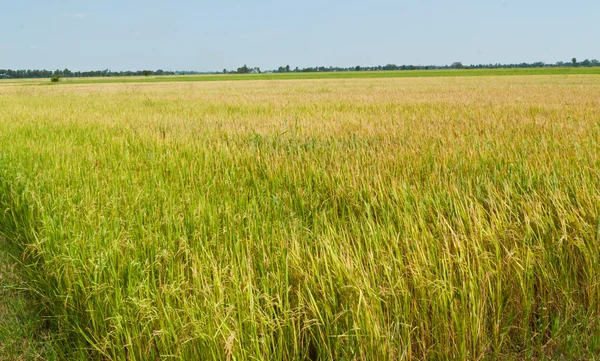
383,219
23,335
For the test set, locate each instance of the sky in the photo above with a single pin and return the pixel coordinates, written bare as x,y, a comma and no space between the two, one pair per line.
213,35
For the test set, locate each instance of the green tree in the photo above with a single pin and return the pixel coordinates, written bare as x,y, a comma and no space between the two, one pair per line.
146,72
574,60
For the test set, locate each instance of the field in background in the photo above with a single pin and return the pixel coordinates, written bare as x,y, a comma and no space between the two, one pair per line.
317,75
350,219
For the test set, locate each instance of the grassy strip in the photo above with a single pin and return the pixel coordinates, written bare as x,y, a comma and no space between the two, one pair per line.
335,75
22,332
415,219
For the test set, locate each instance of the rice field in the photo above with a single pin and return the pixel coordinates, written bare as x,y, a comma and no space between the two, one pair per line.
440,218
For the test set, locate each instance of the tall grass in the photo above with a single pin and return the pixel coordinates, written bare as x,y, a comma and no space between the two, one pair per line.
388,219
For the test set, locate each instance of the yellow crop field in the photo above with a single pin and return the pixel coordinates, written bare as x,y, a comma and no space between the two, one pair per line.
453,218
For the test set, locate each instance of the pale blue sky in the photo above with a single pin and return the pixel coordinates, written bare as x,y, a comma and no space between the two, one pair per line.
205,36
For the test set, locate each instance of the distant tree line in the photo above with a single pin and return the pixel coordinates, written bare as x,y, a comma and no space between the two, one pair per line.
243,70
456,65
66,73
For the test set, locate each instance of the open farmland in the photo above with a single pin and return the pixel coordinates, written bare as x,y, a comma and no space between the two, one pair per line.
319,75
348,219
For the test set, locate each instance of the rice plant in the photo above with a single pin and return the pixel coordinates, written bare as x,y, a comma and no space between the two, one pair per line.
354,219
